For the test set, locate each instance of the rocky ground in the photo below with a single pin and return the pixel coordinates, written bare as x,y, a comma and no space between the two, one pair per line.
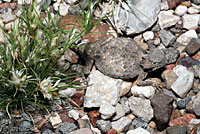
115,102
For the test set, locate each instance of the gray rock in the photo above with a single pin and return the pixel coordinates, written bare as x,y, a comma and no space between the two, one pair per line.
177,130
124,104
137,21
120,112
162,107
195,1
121,125
66,128
8,17
190,21
184,81
185,38
138,131
103,125
198,130
141,108
181,104
107,110
167,37
196,104
164,6
102,89
167,19
25,124
48,131
84,123
82,131
139,123
193,46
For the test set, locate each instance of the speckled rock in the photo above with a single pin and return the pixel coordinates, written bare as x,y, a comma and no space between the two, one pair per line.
120,112
107,110
193,46
102,89
169,77
122,125
167,37
177,130
141,108
185,38
104,125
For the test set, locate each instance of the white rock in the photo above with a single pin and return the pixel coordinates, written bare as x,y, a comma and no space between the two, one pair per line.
180,10
8,17
64,9
56,6
55,120
138,130
102,89
146,91
3,40
184,81
7,0
149,35
67,92
141,108
74,114
20,2
185,38
167,19
122,123
164,6
120,112
157,41
106,110
71,1
193,10
125,87
190,21
9,26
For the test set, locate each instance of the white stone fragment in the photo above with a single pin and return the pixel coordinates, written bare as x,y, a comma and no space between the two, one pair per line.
180,10
55,120
167,19
190,21
73,114
149,35
146,91
56,6
138,130
106,110
193,10
184,81
185,38
102,89
141,108
64,9
122,123
67,92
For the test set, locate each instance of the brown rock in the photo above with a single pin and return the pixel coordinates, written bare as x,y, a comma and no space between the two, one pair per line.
170,67
169,77
65,118
8,5
112,131
184,120
71,56
194,129
152,124
77,99
186,3
196,56
98,31
94,116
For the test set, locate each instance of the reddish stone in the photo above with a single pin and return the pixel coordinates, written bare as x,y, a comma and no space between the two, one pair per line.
65,117
112,131
8,5
94,116
184,120
196,56
98,31
42,123
77,99
175,114
170,67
